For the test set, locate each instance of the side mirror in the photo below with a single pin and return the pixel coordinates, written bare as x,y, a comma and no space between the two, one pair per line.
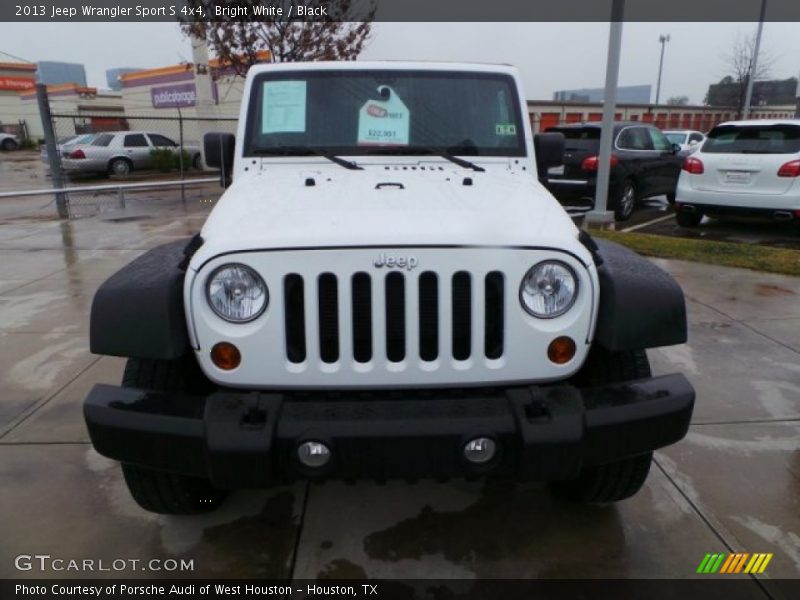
219,150
693,142
549,148
676,148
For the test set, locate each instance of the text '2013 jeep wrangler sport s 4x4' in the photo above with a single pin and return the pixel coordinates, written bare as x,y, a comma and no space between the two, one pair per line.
385,290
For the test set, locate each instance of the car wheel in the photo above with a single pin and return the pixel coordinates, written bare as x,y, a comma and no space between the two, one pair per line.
620,479
197,162
159,491
626,201
10,144
671,197
120,167
689,219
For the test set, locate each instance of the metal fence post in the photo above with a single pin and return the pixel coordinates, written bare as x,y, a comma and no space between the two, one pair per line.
180,154
62,202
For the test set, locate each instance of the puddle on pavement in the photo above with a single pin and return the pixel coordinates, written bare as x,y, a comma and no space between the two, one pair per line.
508,522
341,568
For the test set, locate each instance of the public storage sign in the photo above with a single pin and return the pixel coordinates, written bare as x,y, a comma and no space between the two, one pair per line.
174,96
16,83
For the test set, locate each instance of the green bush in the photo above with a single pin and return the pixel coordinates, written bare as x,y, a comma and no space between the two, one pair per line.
166,160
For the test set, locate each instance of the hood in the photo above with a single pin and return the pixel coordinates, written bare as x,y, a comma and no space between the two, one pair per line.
385,206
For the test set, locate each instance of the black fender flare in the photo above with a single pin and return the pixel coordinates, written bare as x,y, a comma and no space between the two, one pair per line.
641,306
138,312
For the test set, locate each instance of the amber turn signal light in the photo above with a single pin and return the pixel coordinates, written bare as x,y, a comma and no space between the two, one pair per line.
561,350
226,356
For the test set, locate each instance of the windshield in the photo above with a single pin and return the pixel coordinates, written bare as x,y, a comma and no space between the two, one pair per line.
384,112
676,138
754,139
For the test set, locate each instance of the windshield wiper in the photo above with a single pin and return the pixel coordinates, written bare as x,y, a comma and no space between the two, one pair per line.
306,151
347,164
461,162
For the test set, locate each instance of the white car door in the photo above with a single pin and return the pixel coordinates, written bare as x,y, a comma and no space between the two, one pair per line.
137,149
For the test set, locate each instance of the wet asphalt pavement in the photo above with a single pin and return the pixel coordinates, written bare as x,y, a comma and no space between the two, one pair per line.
732,485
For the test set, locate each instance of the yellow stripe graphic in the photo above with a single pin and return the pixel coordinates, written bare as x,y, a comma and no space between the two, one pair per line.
752,563
765,563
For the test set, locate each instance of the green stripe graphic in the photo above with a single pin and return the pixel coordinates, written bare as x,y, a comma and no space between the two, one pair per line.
702,566
718,563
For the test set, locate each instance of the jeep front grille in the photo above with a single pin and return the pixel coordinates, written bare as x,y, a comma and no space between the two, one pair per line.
393,317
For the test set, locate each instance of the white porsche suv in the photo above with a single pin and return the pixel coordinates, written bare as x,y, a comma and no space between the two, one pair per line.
745,168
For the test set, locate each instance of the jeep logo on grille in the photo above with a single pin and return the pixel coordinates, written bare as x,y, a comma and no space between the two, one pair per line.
396,262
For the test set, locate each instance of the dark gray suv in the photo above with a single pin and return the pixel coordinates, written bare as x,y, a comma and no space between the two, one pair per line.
644,163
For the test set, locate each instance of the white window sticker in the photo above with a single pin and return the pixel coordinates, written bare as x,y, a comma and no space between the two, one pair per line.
505,129
384,122
284,107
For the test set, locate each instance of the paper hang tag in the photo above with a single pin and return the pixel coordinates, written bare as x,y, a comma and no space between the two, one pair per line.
384,122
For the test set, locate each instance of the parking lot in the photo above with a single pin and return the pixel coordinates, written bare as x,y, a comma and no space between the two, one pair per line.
733,485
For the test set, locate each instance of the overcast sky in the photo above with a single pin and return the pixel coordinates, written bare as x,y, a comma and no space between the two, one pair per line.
551,56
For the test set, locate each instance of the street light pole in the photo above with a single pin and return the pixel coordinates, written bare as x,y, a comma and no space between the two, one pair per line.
663,39
753,70
600,213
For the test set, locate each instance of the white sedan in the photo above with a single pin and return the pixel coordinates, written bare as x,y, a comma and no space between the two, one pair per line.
687,139
8,141
745,168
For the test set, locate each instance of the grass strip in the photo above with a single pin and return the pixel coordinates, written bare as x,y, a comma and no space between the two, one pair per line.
727,254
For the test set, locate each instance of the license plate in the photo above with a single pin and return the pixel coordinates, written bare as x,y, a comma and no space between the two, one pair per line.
559,170
737,177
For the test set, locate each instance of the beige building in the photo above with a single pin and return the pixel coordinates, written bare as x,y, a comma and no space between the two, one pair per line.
84,109
15,76
544,114
204,95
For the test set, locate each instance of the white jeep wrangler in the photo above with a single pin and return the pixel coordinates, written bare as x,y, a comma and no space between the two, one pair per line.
385,290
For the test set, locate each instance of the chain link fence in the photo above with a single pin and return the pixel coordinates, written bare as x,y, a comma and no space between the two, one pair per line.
129,151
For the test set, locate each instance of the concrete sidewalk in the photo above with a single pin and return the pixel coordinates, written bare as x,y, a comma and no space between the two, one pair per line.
732,485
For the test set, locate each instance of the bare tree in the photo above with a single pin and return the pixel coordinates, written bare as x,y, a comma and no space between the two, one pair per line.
239,41
678,100
739,61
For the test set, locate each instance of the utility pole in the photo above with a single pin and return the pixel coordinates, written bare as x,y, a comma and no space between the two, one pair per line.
52,150
754,62
663,39
797,98
600,212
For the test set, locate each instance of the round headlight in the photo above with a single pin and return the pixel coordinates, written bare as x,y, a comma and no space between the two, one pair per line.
237,293
548,289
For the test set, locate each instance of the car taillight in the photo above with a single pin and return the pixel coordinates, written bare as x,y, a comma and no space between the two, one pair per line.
693,165
77,154
790,169
590,162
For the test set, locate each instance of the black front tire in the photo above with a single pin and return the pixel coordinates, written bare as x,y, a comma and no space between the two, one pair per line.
612,482
171,493
688,219
604,484
10,145
159,491
626,201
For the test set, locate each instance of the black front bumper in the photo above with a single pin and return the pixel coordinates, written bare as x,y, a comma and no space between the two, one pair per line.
244,439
